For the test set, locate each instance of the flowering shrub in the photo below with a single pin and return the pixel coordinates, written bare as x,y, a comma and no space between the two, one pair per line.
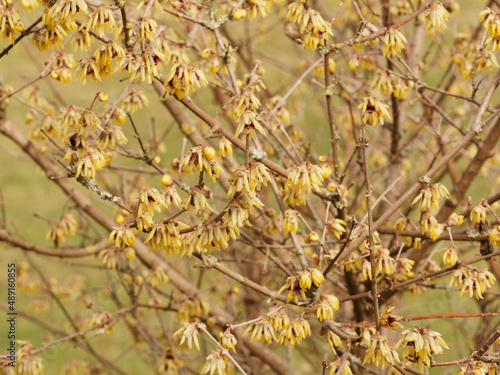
279,233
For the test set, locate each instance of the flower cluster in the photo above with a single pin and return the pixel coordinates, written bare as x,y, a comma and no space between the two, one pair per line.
299,284
429,197
419,345
317,30
66,227
201,159
472,281
183,79
301,181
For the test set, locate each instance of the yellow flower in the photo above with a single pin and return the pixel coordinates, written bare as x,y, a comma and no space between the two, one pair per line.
248,122
419,344
436,17
382,82
196,159
102,19
279,320
450,257
88,68
491,21
437,231
215,364
245,101
134,101
108,258
334,367
296,331
261,331
225,147
158,276
494,236
374,111
486,61
147,29
301,181
390,321
326,306
165,237
103,321
196,200
292,284
228,340
394,42
478,214
379,352
384,263
122,236
336,226
183,79
455,219
190,333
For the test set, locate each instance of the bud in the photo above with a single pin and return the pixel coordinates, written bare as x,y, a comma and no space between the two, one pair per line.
102,96
209,152
167,180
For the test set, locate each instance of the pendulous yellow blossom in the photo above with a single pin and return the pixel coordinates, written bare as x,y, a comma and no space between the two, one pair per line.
296,331
326,306
436,17
102,19
379,352
215,364
374,111
165,237
478,214
292,284
190,333
476,283
336,226
158,276
150,200
429,197
147,29
491,21
450,257
196,200
227,340
455,220
301,181
334,367
290,221
183,79
494,237
196,159
419,345
225,147
394,42
387,320
279,320
122,236
261,331
384,262
248,122
134,101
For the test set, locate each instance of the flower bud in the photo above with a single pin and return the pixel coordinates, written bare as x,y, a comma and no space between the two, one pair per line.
167,180
209,152
102,96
